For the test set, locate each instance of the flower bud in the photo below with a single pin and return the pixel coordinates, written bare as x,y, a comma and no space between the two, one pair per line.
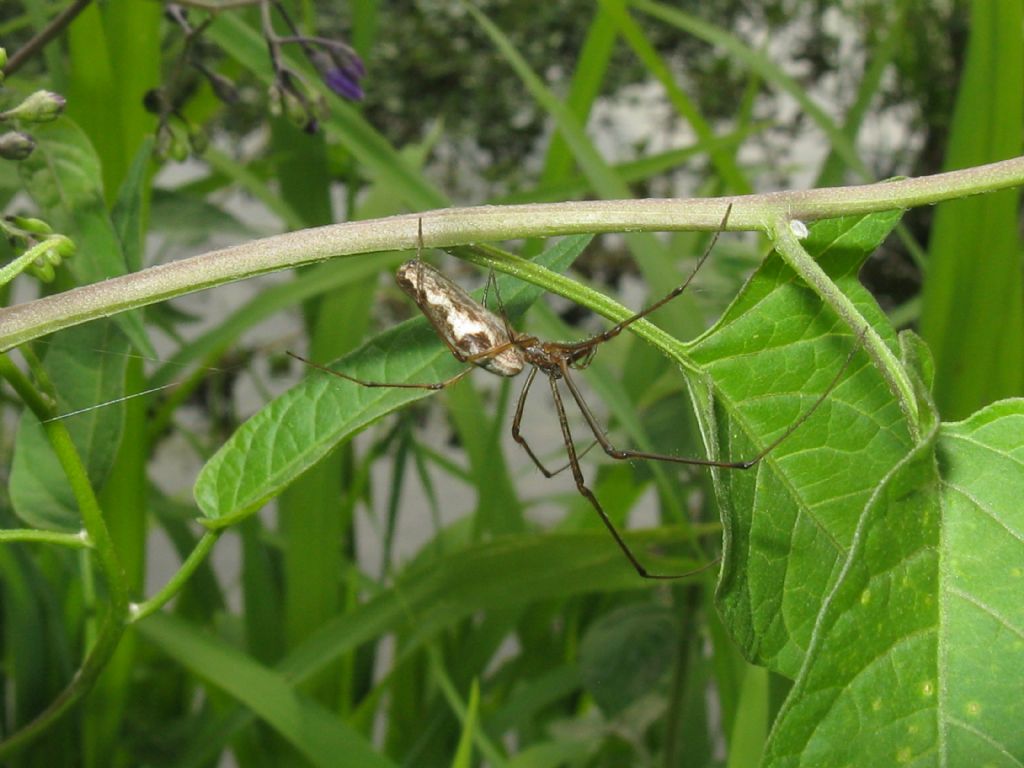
223,88
155,101
62,247
179,147
275,100
43,269
197,140
294,107
40,107
28,224
15,145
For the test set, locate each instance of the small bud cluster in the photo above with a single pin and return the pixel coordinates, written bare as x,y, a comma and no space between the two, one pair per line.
176,136
38,248
337,63
290,95
41,249
39,107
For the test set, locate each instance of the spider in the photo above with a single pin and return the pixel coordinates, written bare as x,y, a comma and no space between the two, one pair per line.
482,339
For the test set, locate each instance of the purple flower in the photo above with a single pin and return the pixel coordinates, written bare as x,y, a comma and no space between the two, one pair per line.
341,70
344,81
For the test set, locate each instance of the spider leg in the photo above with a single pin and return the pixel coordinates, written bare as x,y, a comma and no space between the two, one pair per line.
517,434
618,328
580,455
588,494
501,305
432,386
517,420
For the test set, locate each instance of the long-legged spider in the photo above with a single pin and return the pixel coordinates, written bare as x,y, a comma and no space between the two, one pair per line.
478,337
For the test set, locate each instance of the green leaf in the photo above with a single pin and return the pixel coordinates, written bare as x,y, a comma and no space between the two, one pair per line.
916,654
64,178
587,80
626,652
789,520
87,365
553,754
296,430
186,221
316,733
127,211
722,159
113,61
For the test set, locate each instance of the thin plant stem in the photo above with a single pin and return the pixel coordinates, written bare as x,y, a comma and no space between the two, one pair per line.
45,35
14,268
78,540
177,581
215,6
114,622
458,226
789,248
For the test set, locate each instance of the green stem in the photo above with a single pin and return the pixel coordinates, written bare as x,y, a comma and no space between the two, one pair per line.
74,540
459,226
555,282
82,681
788,246
92,518
14,268
176,582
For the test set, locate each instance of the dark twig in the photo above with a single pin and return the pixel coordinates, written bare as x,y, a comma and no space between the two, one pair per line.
45,35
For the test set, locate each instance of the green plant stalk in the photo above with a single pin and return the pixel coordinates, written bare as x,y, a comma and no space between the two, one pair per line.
74,540
456,226
176,583
92,517
789,248
14,268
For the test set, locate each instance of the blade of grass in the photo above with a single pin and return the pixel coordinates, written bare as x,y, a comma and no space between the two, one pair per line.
972,315
315,732
439,593
768,70
587,78
750,728
732,176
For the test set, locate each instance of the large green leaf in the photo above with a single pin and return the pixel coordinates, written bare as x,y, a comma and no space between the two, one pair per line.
296,430
87,365
789,520
625,653
916,655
